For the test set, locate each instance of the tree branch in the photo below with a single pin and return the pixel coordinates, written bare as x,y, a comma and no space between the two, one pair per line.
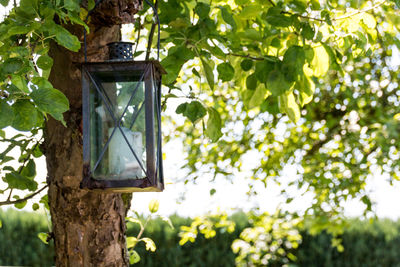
9,202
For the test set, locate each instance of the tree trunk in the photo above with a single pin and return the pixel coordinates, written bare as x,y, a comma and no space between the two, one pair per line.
88,227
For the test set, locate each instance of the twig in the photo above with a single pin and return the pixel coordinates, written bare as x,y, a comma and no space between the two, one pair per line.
138,36
165,99
150,40
142,228
272,3
360,11
304,17
8,202
9,195
151,35
339,18
246,56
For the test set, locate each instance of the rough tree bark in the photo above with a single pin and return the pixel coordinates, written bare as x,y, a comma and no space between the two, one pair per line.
88,227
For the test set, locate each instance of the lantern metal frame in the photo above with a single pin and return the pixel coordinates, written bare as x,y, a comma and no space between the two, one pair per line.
151,72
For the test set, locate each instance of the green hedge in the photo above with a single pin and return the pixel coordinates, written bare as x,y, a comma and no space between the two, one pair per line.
19,244
365,244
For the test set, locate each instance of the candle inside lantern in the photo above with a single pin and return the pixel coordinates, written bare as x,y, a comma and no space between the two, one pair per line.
122,162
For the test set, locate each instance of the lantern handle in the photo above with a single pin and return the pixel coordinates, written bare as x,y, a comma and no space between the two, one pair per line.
158,23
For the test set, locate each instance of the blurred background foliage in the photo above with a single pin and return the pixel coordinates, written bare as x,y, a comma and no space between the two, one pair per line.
370,244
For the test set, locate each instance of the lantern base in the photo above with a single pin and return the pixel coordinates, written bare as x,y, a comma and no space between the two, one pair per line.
121,186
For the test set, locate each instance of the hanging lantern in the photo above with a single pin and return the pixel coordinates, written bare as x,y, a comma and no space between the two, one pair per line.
122,123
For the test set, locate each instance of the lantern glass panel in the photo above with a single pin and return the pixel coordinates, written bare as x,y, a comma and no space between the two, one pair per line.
117,121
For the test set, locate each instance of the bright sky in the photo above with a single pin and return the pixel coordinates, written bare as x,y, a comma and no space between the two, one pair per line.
230,196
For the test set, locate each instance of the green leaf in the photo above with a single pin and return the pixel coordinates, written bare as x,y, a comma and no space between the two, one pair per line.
37,152
276,42
66,39
277,84
212,191
214,124
44,237
202,9
167,220
307,31
217,52
263,68
246,64
250,34
91,4
1,224
320,63
7,114
25,115
259,96
250,12
35,206
298,6
29,170
14,30
134,257
77,20
251,82
208,69
12,65
195,72
193,110
47,11
275,18
20,205
72,5
45,201
309,54
17,181
150,245
306,88
133,220
225,71
5,159
226,14
293,62
20,83
27,9
131,242
44,62
51,101
289,105
4,3
42,83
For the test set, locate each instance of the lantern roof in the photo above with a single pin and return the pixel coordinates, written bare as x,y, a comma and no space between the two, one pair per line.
118,65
